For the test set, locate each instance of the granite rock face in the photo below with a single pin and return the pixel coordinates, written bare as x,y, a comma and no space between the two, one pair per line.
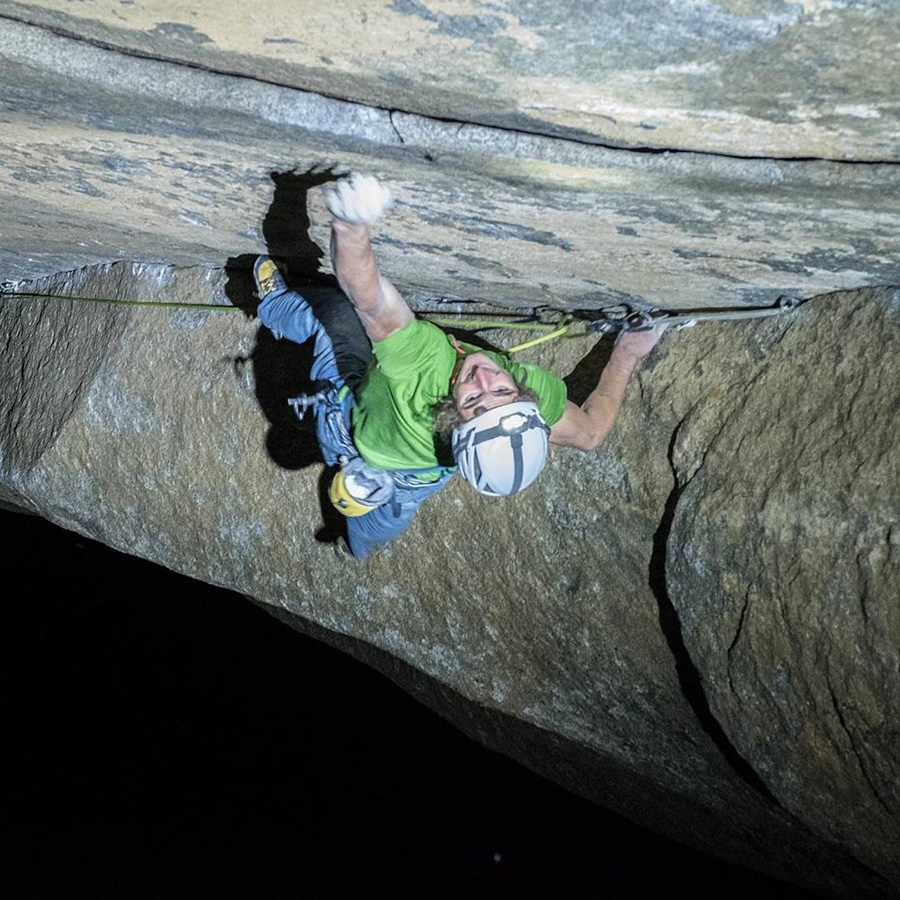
784,562
696,625
741,77
538,159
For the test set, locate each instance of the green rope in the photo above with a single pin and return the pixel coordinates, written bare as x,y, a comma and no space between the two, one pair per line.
459,320
559,332
554,330
218,306
484,324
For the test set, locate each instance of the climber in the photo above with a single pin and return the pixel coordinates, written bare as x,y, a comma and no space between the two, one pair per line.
403,405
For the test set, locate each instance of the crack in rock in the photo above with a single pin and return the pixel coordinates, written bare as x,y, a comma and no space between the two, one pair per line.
689,678
855,749
737,636
479,127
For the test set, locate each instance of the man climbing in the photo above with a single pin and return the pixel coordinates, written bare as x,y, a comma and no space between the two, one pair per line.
397,392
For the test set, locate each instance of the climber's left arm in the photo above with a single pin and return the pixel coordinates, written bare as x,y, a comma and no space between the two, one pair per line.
587,426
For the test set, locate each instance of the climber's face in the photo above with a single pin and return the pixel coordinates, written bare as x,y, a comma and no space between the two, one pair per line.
482,385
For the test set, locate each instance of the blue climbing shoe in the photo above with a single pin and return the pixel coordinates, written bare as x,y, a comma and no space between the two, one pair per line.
267,277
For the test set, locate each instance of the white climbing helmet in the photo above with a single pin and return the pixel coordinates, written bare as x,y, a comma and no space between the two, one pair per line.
503,450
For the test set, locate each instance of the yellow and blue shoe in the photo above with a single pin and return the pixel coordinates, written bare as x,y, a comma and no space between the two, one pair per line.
267,277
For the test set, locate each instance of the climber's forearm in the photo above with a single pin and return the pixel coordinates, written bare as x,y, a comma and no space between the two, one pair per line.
354,263
377,302
587,426
604,402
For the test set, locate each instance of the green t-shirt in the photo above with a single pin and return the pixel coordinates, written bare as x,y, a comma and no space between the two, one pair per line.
392,419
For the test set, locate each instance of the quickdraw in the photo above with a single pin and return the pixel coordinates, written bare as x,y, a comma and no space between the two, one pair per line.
618,319
613,320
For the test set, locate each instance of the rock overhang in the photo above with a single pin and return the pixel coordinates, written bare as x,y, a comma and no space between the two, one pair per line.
118,155
777,79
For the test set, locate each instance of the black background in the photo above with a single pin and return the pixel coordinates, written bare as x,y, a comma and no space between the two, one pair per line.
168,739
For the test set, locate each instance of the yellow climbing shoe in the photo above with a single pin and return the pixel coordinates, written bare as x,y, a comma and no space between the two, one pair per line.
267,277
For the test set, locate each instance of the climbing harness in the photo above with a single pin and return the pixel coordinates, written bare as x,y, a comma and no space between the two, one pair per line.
356,488
611,320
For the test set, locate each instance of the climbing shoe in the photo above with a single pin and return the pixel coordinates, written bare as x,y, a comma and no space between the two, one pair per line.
267,277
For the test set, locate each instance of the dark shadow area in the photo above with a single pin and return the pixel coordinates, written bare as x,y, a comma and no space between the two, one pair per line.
280,367
178,742
470,337
239,287
280,371
285,230
286,225
585,376
333,524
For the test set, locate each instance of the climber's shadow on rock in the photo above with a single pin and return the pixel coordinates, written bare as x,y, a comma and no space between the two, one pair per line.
285,230
584,377
280,367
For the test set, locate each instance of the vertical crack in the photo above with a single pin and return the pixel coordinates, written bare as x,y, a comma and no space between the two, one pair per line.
689,677
858,756
736,638
394,126
863,570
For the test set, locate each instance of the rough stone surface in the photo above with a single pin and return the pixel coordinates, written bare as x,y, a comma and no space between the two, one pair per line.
695,625
814,78
107,155
787,472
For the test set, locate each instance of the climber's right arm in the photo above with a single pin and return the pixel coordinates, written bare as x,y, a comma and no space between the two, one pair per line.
377,302
356,202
